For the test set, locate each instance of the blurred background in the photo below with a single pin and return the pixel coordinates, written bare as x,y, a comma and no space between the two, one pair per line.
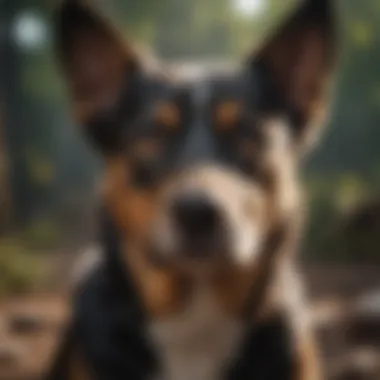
49,177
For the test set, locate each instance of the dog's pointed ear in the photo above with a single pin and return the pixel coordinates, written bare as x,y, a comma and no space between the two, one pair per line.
98,67
295,65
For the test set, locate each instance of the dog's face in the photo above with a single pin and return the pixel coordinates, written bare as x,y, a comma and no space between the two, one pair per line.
199,172
201,175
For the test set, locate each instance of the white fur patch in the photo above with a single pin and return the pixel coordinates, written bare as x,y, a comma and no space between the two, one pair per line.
247,242
197,343
88,260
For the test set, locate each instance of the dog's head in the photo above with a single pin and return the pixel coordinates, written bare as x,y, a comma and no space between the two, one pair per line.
198,173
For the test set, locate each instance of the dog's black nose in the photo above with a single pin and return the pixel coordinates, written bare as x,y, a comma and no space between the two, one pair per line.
196,215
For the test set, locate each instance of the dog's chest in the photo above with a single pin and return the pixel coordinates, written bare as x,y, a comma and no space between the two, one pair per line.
197,343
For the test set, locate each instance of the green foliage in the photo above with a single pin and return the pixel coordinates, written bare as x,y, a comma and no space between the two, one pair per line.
20,269
42,234
51,165
333,203
41,170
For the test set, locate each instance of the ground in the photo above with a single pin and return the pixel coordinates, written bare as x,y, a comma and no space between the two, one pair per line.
349,330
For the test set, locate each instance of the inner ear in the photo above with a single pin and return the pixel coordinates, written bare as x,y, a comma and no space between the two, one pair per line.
97,63
296,63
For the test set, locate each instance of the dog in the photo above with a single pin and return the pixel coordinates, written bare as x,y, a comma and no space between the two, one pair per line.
203,207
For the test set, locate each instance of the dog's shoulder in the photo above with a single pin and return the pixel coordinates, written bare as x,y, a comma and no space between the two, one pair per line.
197,342
105,333
268,351
280,344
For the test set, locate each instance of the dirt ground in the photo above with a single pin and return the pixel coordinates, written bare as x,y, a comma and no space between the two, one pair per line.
346,306
29,328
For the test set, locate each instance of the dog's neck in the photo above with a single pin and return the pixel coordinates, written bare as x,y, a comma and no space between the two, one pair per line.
199,341
203,342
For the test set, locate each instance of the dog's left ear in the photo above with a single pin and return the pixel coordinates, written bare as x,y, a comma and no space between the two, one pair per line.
99,68
294,68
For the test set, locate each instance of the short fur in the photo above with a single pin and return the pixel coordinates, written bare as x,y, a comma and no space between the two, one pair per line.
202,206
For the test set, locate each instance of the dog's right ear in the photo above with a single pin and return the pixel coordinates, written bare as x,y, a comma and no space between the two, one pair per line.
99,68
295,67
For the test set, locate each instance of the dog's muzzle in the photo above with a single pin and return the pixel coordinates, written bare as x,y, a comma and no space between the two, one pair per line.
198,222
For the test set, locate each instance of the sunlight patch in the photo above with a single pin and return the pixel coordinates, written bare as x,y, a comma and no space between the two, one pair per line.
250,7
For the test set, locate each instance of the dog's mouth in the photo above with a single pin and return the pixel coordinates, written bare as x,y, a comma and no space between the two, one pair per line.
198,228
201,253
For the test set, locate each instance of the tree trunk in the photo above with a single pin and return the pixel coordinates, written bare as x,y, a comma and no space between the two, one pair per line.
9,114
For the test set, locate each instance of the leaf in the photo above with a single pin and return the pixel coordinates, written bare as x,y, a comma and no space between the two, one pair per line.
362,34
41,169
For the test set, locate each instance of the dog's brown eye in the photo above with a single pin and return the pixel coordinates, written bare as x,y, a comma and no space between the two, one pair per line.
168,116
227,115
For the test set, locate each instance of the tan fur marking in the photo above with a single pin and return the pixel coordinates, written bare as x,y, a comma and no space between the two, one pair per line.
146,149
234,286
227,114
232,289
131,208
161,289
309,364
168,115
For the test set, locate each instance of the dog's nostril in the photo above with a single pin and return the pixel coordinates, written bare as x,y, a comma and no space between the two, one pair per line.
195,214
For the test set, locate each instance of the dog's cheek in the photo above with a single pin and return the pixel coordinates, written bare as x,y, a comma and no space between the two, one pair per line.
282,183
247,243
132,210
286,192
137,215
164,237
250,226
232,289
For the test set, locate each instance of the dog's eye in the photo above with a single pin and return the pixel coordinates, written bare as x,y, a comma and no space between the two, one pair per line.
167,116
227,115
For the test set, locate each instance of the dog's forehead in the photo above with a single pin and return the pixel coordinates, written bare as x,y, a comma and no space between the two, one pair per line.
201,90
200,144
205,95
197,101
237,85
